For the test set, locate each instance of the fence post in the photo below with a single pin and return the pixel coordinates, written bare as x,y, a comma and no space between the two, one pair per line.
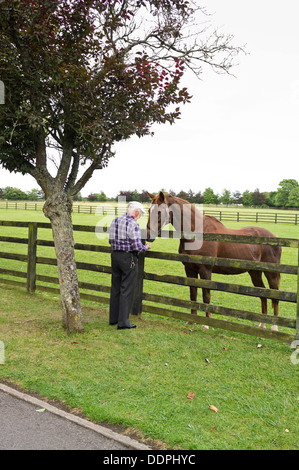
137,303
31,264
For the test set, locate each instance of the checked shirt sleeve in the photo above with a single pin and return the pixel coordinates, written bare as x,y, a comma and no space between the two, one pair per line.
134,234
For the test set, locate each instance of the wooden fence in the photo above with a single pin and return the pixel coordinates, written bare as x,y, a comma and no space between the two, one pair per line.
282,217
142,298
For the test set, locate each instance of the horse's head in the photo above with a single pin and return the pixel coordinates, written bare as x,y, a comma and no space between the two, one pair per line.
158,215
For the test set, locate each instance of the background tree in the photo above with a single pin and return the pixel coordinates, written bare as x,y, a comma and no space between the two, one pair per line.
270,198
284,190
293,199
128,195
183,195
209,196
79,76
226,197
14,194
35,195
247,198
258,198
237,197
198,198
143,196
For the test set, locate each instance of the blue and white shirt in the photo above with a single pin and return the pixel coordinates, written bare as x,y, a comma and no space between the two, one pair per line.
125,234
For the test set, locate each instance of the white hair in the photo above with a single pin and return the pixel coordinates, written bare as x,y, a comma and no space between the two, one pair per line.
133,206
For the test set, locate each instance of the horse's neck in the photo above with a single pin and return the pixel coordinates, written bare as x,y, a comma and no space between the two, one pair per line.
186,217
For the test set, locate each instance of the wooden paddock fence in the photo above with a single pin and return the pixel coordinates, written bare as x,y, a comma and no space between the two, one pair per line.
280,217
169,304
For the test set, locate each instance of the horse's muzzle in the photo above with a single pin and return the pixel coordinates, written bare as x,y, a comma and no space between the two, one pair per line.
150,234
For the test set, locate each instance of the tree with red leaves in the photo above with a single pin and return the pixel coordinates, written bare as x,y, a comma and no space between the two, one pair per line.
81,75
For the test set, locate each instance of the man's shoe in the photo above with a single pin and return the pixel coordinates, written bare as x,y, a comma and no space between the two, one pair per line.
126,327
113,323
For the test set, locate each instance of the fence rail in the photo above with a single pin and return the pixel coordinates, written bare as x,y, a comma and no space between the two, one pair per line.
143,300
292,217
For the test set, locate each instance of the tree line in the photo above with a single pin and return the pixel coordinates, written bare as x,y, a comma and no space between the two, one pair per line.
286,195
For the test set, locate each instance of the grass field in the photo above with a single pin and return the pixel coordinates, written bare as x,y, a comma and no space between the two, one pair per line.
141,379
289,256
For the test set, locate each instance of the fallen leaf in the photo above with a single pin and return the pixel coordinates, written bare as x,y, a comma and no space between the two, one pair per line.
191,395
41,410
225,349
213,408
214,428
75,342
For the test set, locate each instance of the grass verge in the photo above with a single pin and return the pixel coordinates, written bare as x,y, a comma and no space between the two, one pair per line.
141,379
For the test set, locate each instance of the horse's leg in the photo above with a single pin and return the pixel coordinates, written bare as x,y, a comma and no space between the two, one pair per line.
274,281
192,272
206,273
257,281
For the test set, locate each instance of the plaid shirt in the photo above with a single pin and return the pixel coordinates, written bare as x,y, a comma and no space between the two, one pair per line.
125,234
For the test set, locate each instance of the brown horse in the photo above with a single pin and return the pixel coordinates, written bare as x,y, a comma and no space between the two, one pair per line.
185,217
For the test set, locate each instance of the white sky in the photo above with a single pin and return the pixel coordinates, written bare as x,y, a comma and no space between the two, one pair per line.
237,133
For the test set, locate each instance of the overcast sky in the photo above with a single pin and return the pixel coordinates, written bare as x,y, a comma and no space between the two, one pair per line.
238,132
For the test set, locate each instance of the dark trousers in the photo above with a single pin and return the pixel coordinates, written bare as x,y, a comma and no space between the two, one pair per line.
124,276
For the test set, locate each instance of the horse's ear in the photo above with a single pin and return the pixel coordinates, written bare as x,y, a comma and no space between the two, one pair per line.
161,196
152,196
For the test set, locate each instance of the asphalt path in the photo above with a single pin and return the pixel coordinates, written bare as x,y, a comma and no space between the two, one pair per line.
27,423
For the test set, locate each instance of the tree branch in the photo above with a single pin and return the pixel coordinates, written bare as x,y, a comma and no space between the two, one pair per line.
43,178
74,172
41,153
67,149
96,165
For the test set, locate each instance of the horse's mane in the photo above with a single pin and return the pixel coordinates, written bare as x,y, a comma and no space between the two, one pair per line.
177,199
210,220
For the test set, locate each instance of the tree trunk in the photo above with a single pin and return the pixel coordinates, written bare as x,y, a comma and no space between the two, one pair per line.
58,208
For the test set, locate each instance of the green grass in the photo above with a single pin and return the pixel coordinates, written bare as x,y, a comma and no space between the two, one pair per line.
289,256
141,378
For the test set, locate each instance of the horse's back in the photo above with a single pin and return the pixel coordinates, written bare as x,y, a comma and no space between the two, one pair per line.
242,251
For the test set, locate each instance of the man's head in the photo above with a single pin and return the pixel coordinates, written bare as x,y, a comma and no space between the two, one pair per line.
135,209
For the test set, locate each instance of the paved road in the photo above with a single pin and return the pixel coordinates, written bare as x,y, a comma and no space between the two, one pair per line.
23,427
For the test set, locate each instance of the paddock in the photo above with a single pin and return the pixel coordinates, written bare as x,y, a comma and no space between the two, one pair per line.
227,318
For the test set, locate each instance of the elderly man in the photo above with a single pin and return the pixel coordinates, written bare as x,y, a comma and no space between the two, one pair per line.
126,244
